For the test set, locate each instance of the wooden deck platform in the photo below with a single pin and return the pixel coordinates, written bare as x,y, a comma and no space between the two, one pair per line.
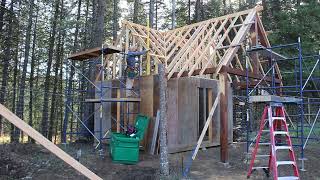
273,98
113,100
93,53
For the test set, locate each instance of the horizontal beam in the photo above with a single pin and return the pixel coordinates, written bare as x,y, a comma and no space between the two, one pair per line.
229,70
243,73
195,72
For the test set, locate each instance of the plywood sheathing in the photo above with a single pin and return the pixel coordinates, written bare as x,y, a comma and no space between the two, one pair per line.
183,111
102,125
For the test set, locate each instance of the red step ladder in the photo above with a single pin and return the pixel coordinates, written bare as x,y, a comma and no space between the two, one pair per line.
274,116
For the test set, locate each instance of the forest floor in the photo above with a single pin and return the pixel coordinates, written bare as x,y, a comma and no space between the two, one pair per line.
31,161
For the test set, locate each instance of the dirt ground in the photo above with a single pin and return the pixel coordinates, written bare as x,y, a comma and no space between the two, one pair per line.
31,161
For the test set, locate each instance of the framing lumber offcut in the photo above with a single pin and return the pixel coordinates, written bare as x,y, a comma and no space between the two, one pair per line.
15,120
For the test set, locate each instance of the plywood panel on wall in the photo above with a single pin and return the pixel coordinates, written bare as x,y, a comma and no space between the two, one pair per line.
172,113
188,110
183,111
103,124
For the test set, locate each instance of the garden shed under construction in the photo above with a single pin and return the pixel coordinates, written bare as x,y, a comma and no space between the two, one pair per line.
201,61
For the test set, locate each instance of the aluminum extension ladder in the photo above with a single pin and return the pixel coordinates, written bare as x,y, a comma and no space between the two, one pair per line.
280,141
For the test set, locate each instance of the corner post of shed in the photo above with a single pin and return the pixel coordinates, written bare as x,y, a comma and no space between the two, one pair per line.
223,117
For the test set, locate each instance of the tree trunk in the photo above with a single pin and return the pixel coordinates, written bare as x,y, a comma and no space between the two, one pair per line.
201,11
53,109
6,62
96,41
99,25
2,11
164,163
197,14
44,121
93,23
72,71
33,58
61,105
189,11
173,23
115,20
136,11
87,32
22,84
151,13
225,11
156,15
14,93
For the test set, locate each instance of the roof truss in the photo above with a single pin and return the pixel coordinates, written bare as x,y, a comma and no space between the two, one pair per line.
200,48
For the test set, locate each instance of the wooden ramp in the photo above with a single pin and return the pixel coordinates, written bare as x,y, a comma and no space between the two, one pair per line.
19,123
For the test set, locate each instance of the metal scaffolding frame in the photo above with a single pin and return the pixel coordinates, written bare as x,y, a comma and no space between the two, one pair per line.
76,95
302,82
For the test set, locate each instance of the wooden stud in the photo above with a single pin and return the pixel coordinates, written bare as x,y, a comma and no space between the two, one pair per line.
205,128
155,134
230,53
184,51
219,43
223,117
210,93
118,110
195,52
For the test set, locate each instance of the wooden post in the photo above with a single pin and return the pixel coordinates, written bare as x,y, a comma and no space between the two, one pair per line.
114,66
148,46
19,123
309,111
204,99
118,111
255,55
209,107
223,117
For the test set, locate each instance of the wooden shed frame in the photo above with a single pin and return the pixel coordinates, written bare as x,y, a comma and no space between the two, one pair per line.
215,49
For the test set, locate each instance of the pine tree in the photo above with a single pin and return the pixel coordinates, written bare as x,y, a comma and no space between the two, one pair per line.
44,121
31,79
22,84
7,58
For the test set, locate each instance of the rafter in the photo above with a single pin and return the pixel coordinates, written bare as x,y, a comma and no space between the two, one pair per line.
193,49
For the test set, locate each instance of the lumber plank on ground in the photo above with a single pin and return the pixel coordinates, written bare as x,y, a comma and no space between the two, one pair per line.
155,134
19,123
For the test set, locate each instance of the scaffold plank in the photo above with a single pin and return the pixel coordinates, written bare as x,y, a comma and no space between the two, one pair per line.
273,98
113,100
93,53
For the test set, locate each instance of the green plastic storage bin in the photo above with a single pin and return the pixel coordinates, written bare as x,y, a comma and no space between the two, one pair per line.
124,149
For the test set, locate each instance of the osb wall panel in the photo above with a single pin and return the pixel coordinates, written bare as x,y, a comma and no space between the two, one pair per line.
183,111
172,114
